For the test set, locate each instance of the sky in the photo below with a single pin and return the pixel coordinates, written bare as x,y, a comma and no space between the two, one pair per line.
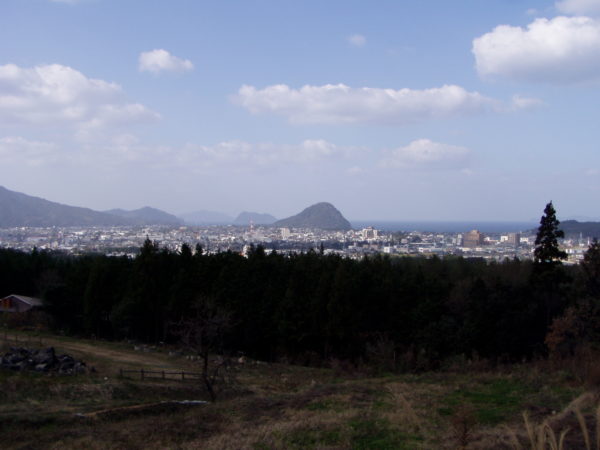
390,110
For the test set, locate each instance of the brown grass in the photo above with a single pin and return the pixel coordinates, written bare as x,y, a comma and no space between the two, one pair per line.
283,406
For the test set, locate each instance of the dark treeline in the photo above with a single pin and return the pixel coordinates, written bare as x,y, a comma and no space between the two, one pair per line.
312,308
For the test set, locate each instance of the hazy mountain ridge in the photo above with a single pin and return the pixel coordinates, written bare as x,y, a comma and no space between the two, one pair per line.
245,217
204,217
321,215
573,228
22,210
147,215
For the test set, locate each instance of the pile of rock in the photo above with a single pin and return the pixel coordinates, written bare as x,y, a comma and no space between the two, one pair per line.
43,360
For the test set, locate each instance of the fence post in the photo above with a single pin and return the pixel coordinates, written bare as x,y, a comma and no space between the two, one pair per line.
142,374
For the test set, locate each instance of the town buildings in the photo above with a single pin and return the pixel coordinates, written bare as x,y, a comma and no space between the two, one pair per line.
118,241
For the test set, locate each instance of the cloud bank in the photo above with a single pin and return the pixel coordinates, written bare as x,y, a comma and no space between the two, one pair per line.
20,151
424,153
558,50
341,104
578,7
60,95
242,155
160,60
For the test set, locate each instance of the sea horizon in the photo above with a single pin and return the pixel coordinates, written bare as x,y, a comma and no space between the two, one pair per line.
446,226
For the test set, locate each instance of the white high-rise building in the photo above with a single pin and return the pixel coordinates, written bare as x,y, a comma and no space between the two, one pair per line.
369,233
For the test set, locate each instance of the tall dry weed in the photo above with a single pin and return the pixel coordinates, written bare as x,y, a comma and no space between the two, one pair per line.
402,411
540,436
463,423
543,436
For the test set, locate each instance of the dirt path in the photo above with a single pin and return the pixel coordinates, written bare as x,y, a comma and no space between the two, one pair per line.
100,354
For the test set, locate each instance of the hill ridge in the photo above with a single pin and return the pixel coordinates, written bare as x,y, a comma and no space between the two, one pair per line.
22,210
245,217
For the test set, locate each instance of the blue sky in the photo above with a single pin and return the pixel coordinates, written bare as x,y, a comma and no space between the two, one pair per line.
397,110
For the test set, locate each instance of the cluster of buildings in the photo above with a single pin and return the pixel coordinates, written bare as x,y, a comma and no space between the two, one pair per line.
213,239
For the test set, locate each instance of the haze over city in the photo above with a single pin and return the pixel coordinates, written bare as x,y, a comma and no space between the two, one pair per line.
394,110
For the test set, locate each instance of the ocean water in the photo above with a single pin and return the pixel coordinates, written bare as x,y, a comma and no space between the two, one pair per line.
446,227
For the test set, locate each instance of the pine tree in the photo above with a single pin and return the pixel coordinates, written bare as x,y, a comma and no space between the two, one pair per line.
546,242
548,277
591,268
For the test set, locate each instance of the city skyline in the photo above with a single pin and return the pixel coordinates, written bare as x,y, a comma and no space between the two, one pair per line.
430,110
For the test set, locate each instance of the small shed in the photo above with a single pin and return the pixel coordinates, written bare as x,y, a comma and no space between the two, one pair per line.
19,303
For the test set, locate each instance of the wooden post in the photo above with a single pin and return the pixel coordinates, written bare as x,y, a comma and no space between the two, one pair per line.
142,374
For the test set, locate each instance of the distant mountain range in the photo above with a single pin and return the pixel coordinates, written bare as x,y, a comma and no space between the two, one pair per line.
206,218
244,218
21,210
321,215
573,228
147,215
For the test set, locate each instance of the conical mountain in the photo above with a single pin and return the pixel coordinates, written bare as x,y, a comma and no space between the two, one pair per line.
321,215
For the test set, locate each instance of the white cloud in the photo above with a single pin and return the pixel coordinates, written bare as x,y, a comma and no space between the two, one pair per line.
235,155
559,50
122,153
160,60
115,118
426,154
341,104
357,40
56,94
20,151
578,7
244,154
520,102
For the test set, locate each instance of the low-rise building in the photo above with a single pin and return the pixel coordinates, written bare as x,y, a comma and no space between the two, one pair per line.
19,303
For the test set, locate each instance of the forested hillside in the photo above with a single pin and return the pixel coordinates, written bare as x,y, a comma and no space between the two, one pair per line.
405,313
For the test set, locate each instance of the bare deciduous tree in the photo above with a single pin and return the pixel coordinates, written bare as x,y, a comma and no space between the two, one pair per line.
202,334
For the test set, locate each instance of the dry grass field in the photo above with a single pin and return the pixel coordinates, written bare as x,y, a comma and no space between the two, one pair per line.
276,406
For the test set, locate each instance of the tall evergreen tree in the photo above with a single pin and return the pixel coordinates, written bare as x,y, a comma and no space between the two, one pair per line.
547,251
548,277
591,268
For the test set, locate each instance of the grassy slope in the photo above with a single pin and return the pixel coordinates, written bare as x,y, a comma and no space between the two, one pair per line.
273,406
